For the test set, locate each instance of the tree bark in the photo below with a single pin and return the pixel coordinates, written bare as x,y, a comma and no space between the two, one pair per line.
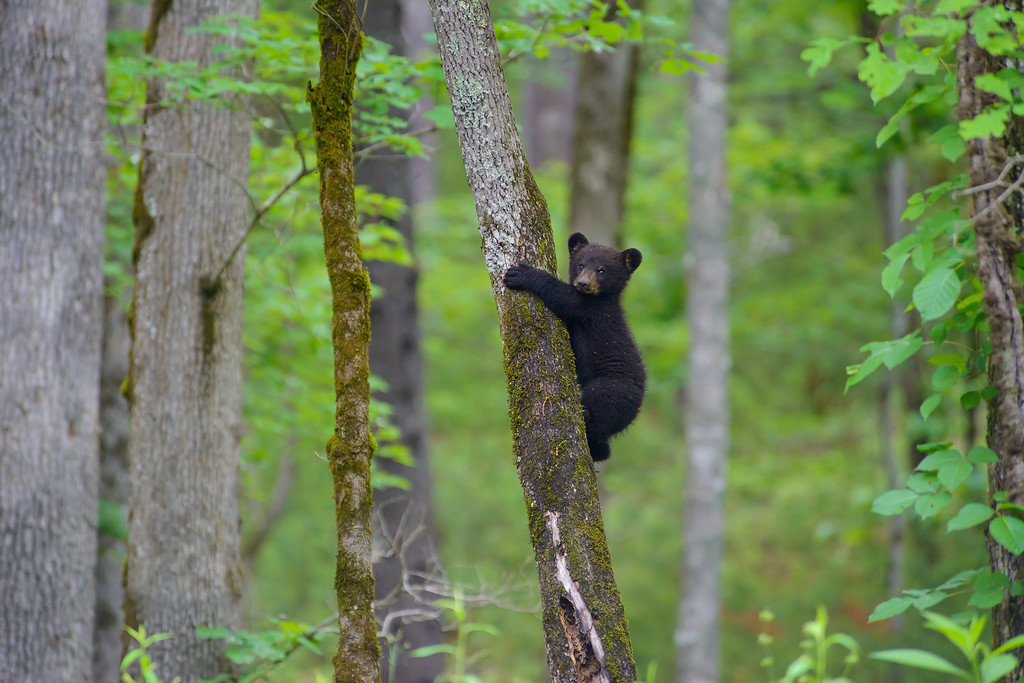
998,243
404,518
603,128
185,382
52,116
707,404
350,450
556,472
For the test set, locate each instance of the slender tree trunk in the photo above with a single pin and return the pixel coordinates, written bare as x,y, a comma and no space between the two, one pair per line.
113,491
350,450
404,518
997,236
603,128
555,469
707,403
183,568
891,410
51,268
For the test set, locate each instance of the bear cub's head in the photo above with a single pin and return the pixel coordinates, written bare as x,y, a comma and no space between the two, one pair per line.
598,270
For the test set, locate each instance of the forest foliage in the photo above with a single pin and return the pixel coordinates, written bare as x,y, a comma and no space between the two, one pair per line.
819,108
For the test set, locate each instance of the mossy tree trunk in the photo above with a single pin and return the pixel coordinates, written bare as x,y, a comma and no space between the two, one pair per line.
707,398
998,233
52,123
185,377
350,450
549,444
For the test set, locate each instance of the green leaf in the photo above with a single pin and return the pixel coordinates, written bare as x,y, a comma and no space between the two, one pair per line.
890,608
919,659
939,459
986,598
994,84
893,502
944,377
954,359
970,515
995,666
936,292
883,75
930,505
989,123
970,399
954,6
884,8
1011,644
954,474
951,143
981,454
930,404
1009,533
891,280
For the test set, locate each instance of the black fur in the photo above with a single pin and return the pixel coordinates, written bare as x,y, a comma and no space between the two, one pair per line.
608,364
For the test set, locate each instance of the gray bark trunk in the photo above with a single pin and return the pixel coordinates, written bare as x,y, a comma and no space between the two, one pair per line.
52,115
404,519
891,410
605,94
707,402
186,373
114,434
549,446
997,235
548,104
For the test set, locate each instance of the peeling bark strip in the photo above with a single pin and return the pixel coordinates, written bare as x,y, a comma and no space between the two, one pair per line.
585,648
350,450
998,243
555,469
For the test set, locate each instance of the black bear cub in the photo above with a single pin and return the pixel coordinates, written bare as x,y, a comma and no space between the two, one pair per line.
609,368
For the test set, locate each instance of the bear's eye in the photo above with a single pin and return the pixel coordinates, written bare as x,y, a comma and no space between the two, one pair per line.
580,267
600,271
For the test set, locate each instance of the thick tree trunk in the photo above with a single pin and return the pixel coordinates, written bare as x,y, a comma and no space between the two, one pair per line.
605,94
403,519
555,469
998,235
185,377
114,433
350,450
707,404
51,263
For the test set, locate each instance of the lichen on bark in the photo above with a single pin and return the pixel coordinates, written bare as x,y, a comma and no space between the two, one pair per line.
350,449
555,468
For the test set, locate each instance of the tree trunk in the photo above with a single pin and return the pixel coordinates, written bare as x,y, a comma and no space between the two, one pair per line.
548,104
350,450
51,268
707,404
404,518
185,377
997,235
555,469
114,432
605,94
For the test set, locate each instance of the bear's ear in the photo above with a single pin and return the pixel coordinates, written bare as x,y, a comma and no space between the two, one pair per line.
577,240
632,258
